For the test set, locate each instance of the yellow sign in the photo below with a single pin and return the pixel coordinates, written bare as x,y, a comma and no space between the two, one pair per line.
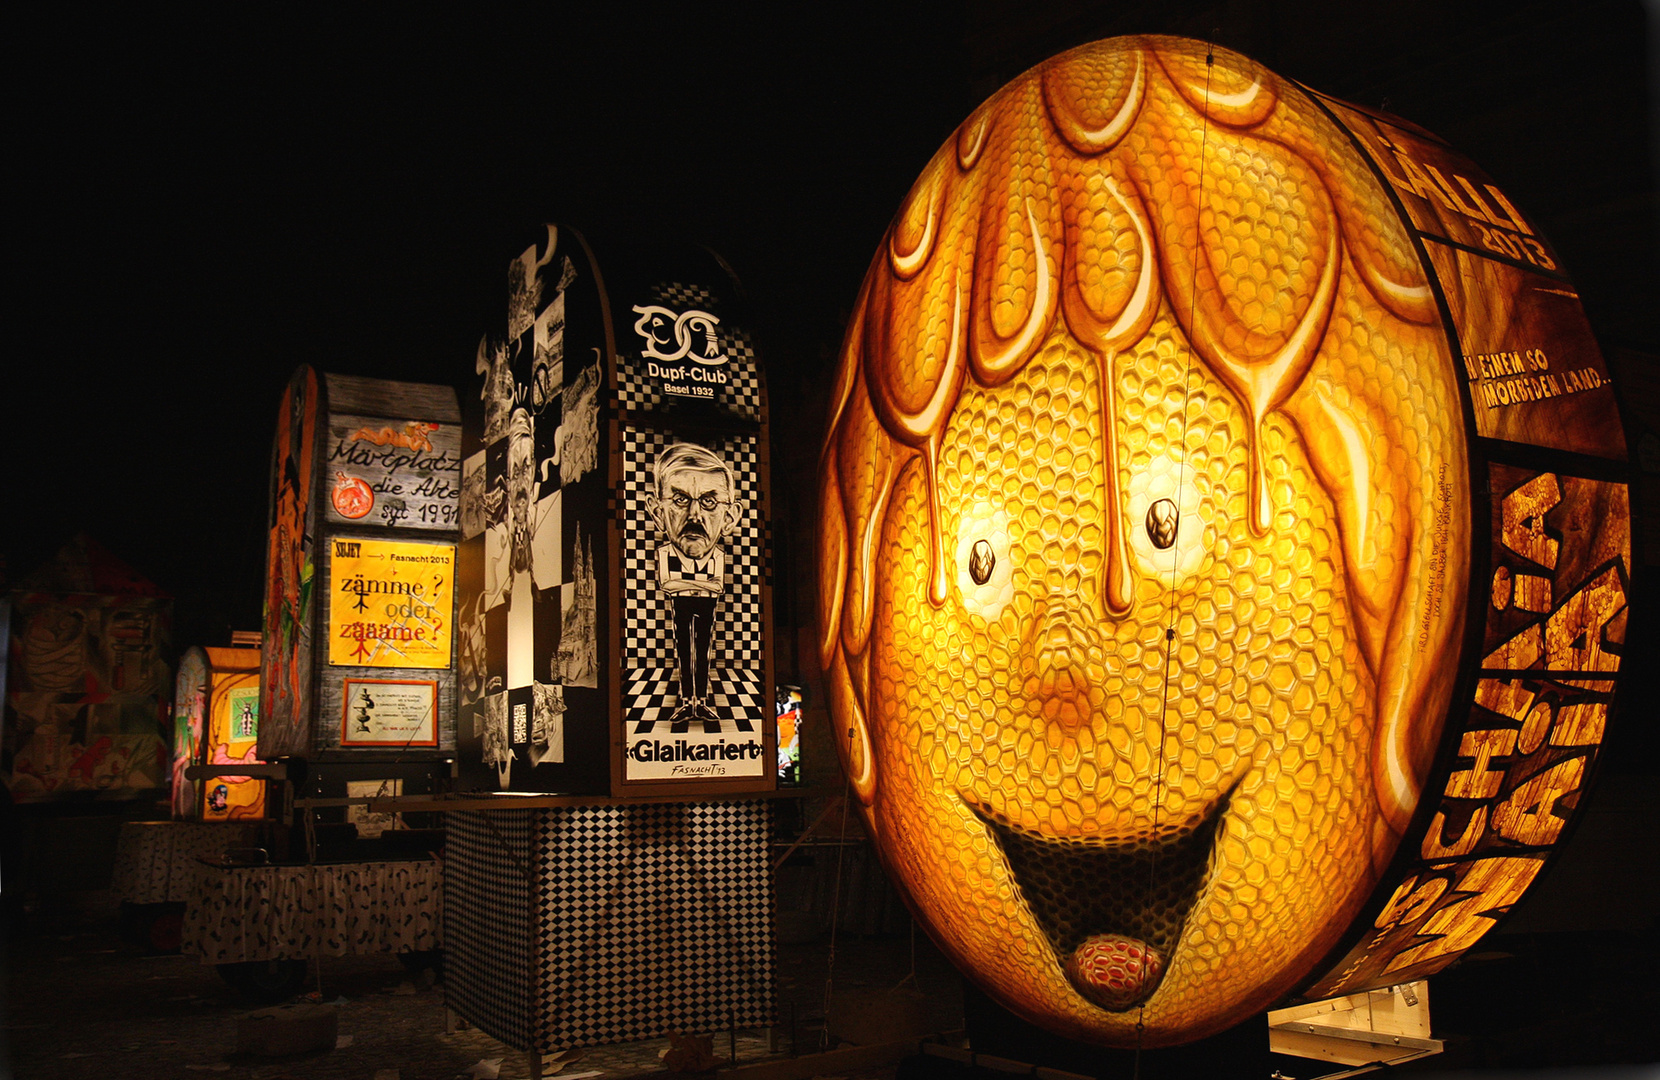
390,603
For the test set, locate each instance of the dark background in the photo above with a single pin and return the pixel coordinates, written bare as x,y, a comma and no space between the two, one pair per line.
201,204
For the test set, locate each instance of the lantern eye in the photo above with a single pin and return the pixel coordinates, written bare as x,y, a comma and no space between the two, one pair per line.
1162,519
981,562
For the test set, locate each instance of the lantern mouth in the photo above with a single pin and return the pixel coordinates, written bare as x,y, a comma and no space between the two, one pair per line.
1139,891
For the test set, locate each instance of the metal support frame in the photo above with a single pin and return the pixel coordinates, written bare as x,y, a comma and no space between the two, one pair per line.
1372,1029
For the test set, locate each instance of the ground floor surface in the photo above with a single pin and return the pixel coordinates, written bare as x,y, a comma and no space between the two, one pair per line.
84,1002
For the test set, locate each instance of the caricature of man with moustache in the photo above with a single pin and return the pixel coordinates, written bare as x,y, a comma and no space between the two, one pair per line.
692,505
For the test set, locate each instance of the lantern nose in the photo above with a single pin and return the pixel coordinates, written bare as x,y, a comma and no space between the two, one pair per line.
1062,670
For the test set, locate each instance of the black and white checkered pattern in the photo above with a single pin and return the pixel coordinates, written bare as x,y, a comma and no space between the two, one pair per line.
652,695
682,297
653,919
740,396
591,925
736,648
489,888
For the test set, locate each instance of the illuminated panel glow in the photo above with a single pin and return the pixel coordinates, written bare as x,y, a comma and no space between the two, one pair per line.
1148,538
231,736
189,716
389,603
1525,749
286,653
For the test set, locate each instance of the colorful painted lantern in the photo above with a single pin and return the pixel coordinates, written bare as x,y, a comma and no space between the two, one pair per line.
365,511
86,697
230,734
190,695
1225,545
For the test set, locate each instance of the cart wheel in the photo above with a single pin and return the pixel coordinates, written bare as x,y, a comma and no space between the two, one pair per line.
265,981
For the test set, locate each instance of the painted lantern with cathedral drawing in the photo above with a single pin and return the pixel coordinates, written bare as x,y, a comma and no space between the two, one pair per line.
614,564
1225,545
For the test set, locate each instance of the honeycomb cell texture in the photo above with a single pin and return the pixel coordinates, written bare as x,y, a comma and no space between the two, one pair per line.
1130,506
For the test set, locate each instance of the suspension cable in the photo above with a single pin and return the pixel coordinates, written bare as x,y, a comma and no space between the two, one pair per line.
1171,614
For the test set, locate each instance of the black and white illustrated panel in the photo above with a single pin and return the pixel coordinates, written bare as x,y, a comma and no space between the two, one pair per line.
528,623
692,637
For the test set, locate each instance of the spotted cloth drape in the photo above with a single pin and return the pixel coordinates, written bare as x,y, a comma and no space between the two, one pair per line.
155,861
294,912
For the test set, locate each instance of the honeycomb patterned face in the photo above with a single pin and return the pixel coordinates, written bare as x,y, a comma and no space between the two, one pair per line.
1131,539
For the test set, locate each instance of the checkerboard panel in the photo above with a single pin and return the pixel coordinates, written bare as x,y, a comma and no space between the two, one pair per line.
741,396
488,890
652,694
648,624
653,919
683,297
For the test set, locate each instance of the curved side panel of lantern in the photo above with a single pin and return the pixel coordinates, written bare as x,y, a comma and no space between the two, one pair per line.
290,602
231,735
1550,572
189,709
533,659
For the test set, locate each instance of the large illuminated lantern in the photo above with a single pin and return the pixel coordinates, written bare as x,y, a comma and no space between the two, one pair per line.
1225,545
